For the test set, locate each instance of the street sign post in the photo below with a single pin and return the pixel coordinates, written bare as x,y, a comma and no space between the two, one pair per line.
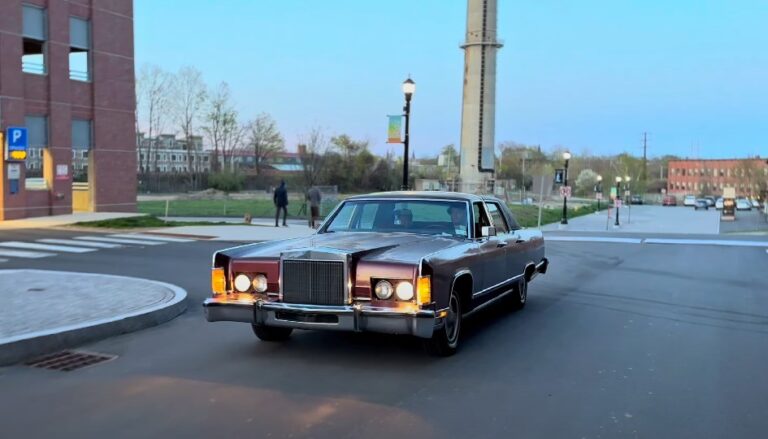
559,176
16,144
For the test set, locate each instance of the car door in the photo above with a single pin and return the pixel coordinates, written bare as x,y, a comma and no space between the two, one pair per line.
492,258
505,233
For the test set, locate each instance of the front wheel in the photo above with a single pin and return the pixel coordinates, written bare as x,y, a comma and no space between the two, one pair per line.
445,341
271,333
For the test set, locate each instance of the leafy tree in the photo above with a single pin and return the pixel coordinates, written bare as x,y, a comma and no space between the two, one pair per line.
586,181
264,138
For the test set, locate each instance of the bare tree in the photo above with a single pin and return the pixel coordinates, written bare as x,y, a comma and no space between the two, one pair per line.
223,130
153,92
313,147
189,99
264,138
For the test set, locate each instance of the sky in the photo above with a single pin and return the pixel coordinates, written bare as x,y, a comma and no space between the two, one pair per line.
591,75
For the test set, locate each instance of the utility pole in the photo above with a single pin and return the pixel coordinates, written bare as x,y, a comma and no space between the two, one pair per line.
644,177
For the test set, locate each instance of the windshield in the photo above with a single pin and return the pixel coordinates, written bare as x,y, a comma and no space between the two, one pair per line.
446,218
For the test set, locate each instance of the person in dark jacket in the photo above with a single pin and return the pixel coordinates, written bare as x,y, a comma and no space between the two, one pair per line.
281,202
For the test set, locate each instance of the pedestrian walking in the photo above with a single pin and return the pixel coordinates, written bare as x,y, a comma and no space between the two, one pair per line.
281,203
314,197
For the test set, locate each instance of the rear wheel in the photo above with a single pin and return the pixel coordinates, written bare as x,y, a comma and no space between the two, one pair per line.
271,333
445,341
520,295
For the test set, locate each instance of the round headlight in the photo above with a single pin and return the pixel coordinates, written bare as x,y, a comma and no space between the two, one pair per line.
242,283
259,283
383,290
404,291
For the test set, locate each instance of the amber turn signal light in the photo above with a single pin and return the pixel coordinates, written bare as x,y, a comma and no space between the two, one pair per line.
218,281
423,290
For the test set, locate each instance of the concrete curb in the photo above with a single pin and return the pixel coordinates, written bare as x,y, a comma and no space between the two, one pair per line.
26,346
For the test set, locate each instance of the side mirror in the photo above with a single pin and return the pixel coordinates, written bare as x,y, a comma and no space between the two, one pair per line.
487,231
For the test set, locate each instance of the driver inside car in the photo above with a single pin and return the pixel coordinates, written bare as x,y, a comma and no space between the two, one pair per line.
459,219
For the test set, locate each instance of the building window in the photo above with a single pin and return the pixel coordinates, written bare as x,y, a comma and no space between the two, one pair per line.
37,137
82,135
34,37
79,49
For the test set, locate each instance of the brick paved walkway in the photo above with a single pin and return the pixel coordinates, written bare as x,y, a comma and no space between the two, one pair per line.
39,303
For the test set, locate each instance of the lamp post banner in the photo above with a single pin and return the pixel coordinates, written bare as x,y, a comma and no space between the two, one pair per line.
395,128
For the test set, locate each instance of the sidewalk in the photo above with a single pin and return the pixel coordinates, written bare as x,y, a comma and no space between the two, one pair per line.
41,222
645,219
46,311
244,233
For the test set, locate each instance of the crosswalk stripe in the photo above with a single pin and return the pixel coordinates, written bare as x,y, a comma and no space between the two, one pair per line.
151,237
48,247
592,239
24,254
80,243
721,242
119,240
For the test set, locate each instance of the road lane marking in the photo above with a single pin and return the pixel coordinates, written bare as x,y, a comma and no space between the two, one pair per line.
119,240
3,260
80,243
48,247
729,243
24,254
151,237
593,239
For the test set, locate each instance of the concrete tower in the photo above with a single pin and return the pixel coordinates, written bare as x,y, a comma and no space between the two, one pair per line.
478,114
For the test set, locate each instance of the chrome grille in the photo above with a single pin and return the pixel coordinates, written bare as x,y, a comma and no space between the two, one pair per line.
313,282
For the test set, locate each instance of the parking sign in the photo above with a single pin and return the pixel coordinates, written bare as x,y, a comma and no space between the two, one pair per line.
16,144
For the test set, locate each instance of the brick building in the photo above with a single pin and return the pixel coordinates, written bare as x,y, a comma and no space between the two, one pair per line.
709,177
67,74
167,154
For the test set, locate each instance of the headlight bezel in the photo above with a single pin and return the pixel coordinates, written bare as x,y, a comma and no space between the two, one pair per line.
404,288
259,277
383,283
241,283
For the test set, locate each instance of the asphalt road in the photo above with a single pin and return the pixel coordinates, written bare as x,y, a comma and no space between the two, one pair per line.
617,340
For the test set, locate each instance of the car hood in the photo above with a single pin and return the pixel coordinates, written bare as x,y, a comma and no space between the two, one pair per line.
369,246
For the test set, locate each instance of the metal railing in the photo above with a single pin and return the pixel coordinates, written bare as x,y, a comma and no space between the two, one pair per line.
79,75
33,67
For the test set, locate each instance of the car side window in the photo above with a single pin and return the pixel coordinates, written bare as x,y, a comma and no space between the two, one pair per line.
481,219
498,217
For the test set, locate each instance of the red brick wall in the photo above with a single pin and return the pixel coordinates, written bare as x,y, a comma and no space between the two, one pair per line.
108,100
696,177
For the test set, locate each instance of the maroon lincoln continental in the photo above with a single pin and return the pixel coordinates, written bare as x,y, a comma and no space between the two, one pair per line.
398,262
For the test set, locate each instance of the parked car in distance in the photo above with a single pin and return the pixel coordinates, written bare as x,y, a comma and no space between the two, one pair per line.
669,200
719,203
689,200
635,199
755,203
743,204
414,263
701,203
710,201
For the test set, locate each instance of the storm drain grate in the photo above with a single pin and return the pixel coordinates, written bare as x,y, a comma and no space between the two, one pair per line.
70,360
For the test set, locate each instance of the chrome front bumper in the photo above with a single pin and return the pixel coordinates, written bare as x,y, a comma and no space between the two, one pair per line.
421,323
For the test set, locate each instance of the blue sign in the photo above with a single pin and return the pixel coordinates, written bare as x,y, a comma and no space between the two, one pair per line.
17,143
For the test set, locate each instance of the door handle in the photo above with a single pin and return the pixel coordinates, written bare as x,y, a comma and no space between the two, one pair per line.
501,244
519,241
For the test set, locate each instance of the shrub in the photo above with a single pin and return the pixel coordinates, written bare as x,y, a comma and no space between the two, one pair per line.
226,181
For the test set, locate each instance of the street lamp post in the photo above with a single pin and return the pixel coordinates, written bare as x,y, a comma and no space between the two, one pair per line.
617,199
409,87
599,190
628,191
567,157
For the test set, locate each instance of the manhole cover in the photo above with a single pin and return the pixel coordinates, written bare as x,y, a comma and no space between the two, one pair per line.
70,360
